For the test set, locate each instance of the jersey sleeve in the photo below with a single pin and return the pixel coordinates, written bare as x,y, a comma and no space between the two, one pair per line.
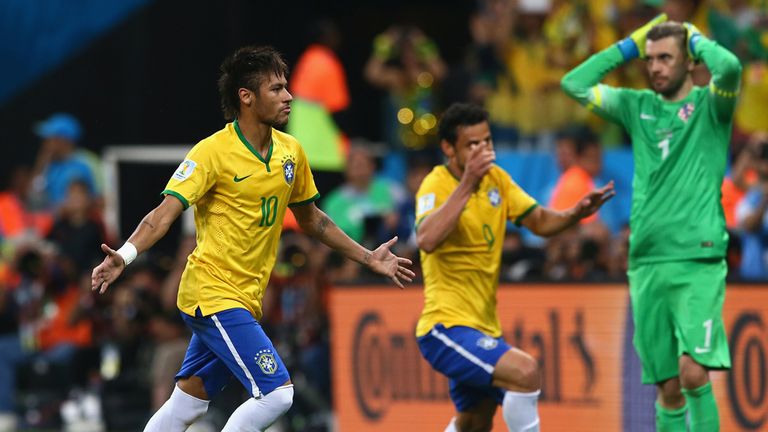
726,77
583,84
304,189
194,176
519,203
430,196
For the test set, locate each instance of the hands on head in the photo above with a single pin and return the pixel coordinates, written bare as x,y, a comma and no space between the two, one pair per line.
633,46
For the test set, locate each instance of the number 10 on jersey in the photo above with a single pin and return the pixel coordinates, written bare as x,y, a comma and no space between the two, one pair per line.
268,211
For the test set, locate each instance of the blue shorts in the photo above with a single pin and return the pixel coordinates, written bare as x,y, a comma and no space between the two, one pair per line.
229,343
467,357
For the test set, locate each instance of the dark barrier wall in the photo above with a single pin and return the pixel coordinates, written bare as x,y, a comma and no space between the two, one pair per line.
581,335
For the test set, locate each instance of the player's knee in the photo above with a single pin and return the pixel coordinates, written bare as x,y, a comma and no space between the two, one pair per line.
693,378
281,399
530,377
670,395
193,386
692,374
672,400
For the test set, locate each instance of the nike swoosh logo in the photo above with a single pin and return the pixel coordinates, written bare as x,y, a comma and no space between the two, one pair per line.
644,116
701,350
239,179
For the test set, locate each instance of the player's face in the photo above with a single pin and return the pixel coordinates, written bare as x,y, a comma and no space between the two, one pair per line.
272,104
468,137
668,65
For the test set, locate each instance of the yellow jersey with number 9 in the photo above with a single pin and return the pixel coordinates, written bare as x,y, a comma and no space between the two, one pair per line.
240,199
462,274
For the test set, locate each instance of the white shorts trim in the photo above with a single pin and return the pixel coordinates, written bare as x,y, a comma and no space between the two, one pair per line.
464,353
254,388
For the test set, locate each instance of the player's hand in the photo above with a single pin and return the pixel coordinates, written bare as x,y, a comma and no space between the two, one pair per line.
384,262
693,34
108,271
479,162
594,200
634,45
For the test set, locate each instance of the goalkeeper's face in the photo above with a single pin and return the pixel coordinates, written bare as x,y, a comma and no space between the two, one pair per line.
668,65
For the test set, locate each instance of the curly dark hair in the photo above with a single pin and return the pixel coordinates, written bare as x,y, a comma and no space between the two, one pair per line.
459,114
246,68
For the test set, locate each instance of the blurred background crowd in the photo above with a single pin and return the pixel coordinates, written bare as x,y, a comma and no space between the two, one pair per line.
71,359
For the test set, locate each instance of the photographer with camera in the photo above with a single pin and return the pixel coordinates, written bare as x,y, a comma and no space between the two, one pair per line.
752,215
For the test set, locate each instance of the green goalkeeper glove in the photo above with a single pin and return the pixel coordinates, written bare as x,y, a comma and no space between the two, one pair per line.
634,45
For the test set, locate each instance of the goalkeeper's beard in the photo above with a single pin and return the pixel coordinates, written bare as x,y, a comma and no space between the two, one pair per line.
670,87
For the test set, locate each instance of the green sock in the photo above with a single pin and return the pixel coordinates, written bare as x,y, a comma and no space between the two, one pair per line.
704,417
670,420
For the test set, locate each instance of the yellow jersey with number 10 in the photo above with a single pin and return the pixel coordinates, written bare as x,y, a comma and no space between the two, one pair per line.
462,274
240,199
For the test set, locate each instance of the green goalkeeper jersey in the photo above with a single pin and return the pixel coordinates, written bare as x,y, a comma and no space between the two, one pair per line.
680,152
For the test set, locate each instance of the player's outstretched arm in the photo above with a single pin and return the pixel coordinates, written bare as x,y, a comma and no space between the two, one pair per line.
151,229
382,261
546,222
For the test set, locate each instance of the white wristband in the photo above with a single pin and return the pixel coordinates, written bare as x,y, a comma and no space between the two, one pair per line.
128,252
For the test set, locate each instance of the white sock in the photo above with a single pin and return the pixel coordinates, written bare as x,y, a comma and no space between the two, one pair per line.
255,415
7,422
451,426
521,411
177,413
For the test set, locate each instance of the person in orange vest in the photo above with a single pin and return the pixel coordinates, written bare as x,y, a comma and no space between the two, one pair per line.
320,103
579,178
16,220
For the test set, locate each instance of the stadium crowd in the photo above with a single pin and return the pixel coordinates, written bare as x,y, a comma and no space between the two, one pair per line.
70,357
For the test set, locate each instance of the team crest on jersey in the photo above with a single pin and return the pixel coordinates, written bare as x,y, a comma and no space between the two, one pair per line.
686,111
266,361
487,343
185,170
289,169
494,197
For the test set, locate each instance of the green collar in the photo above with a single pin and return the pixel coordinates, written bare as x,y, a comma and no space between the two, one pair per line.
448,168
250,147
690,96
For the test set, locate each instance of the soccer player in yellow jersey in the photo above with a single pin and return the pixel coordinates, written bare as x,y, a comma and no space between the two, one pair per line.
240,180
462,209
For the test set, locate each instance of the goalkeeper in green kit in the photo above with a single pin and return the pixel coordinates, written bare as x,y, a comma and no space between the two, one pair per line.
680,135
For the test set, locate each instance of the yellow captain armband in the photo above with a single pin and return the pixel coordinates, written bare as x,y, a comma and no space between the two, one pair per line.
722,93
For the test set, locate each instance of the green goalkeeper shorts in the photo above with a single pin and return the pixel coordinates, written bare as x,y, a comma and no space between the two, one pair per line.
677,308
